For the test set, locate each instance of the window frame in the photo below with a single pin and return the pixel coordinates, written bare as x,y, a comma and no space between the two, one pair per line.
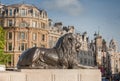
23,12
10,23
10,47
34,36
10,12
9,37
43,37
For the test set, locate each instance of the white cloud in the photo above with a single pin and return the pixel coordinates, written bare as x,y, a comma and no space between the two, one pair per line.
72,7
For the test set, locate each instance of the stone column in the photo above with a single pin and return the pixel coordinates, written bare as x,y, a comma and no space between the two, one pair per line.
29,37
15,46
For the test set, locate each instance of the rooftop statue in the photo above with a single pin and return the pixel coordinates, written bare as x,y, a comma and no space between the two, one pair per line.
62,56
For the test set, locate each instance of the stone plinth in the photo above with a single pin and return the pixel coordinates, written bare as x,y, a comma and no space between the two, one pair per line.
52,75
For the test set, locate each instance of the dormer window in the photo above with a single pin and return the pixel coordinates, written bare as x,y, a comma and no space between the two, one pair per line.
30,12
16,10
35,13
10,13
23,12
44,14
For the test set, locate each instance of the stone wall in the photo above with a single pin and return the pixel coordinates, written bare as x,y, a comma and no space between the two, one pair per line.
52,75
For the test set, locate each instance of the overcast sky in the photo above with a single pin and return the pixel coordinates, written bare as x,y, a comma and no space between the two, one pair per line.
85,15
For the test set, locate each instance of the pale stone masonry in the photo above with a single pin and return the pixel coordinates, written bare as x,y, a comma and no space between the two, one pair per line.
52,75
26,26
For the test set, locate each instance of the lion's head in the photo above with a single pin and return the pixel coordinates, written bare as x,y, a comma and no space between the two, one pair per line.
68,46
68,41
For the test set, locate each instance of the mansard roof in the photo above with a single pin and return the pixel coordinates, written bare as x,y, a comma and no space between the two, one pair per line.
19,5
28,6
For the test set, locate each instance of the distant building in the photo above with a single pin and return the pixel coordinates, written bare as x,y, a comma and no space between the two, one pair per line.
86,54
114,57
98,49
56,30
86,58
98,53
101,53
54,33
107,57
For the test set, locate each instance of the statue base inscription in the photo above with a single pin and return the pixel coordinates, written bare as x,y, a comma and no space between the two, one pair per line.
52,75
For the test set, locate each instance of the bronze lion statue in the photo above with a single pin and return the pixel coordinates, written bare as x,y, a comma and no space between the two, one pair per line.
63,55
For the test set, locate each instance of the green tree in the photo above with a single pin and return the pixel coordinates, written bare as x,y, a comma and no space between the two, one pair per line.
4,58
2,38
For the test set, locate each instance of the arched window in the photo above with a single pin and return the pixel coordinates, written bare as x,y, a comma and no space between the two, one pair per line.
43,14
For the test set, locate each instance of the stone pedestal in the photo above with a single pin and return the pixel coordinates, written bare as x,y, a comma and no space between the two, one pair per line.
52,75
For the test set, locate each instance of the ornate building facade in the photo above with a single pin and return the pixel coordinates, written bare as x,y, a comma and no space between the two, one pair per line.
26,26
